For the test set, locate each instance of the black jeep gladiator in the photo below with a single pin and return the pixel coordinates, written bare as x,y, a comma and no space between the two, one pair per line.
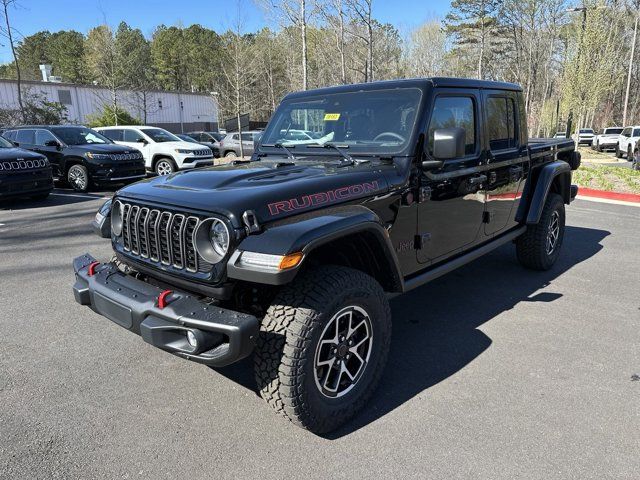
293,255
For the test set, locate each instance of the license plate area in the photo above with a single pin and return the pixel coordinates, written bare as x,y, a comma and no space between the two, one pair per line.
113,311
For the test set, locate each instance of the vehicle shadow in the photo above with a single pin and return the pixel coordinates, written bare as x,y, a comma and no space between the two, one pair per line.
435,327
58,197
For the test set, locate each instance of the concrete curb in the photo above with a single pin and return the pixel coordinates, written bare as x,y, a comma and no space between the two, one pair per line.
621,197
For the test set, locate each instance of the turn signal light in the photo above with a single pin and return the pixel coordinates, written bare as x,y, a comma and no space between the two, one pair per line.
290,261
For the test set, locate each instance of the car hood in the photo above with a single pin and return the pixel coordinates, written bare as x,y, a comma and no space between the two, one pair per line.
104,148
272,190
15,153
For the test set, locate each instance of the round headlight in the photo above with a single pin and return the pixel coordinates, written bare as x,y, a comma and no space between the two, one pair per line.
116,218
219,237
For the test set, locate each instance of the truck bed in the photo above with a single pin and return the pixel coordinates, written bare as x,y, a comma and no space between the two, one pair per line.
544,146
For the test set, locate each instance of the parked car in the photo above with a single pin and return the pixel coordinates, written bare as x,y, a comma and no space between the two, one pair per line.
635,162
292,257
626,141
80,156
23,173
210,139
560,135
164,153
230,144
608,139
585,136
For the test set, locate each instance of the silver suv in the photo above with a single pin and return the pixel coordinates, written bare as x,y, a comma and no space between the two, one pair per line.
230,145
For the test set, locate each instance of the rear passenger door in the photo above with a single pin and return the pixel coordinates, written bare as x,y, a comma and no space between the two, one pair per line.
507,159
247,144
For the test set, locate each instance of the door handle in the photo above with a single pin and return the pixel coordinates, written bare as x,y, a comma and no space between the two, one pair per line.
477,180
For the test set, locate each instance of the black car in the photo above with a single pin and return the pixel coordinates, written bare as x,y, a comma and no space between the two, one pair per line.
23,173
292,255
210,139
81,156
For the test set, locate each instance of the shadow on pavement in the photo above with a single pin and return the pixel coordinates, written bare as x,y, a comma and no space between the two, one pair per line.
57,198
435,327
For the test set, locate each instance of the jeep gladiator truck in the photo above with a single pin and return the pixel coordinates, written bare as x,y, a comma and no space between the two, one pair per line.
293,255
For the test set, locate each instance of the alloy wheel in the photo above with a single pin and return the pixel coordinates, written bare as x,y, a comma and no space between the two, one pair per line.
77,178
553,233
343,351
163,167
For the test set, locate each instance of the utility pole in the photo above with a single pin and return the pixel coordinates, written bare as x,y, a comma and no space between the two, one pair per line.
633,50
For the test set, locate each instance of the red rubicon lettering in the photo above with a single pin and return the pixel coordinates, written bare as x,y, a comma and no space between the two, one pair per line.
320,198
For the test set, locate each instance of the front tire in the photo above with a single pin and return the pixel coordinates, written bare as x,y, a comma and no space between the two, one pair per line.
322,347
538,248
78,178
230,155
618,152
165,166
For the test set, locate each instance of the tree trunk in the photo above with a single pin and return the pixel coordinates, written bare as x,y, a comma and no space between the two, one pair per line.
626,96
15,60
303,31
343,67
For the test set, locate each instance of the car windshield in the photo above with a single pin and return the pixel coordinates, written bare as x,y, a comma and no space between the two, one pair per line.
4,143
586,130
216,135
187,138
378,121
612,131
79,136
159,135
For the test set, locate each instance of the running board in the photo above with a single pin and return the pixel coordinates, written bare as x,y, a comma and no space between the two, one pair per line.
436,272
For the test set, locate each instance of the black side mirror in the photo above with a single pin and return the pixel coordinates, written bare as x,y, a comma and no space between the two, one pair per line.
16,144
51,143
141,140
449,143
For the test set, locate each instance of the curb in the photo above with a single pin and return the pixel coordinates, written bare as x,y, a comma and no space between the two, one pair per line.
622,197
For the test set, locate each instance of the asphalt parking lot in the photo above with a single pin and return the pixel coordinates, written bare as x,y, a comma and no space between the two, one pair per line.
494,372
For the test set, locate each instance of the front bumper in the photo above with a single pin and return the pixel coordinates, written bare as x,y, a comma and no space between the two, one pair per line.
223,336
26,183
199,162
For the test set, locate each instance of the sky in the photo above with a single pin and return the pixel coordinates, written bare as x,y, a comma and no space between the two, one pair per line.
31,16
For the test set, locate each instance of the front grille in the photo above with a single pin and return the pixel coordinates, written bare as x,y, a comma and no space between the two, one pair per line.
21,164
162,236
202,153
126,156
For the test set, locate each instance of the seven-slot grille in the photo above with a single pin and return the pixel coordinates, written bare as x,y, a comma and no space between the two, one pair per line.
202,153
161,236
14,165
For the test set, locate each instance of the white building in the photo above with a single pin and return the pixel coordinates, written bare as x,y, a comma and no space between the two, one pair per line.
175,111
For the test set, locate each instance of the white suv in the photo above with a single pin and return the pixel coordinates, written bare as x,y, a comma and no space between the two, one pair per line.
627,142
163,152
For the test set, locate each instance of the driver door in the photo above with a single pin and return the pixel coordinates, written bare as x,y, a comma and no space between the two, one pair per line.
451,205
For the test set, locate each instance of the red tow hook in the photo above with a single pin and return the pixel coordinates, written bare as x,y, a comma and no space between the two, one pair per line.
162,298
91,269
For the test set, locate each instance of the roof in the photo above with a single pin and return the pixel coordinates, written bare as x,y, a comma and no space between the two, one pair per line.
422,83
46,126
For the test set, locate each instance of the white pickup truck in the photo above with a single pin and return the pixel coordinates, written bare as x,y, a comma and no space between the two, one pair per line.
607,140
163,152
627,142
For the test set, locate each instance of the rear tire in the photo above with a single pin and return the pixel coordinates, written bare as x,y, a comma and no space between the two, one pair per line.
322,347
78,178
230,155
538,248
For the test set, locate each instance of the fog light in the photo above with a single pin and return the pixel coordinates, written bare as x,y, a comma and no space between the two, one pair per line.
191,338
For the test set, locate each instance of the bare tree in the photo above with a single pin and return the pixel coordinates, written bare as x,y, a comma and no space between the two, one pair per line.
636,10
362,11
7,32
334,12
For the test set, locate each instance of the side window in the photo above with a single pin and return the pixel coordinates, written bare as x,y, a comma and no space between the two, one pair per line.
26,136
626,132
11,135
449,112
43,136
132,136
235,137
636,132
501,123
115,135
247,137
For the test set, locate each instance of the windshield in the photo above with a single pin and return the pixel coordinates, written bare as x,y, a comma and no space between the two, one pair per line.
159,135
611,131
586,130
79,136
217,136
379,121
4,143
187,138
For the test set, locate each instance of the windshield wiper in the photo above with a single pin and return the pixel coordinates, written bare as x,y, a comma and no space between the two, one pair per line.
349,160
290,154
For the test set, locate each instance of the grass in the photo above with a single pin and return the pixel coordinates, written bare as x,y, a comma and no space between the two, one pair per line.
612,179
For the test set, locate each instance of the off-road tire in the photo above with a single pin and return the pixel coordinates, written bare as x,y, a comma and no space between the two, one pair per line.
531,246
82,182
289,335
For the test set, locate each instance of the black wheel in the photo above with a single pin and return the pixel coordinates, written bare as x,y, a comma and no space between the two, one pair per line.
78,178
598,147
40,196
165,166
538,248
618,152
322,347
629,153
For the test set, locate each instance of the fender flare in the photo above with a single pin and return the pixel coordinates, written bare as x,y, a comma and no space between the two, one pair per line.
307,232
532,204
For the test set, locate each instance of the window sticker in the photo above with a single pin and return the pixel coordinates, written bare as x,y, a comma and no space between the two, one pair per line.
331,117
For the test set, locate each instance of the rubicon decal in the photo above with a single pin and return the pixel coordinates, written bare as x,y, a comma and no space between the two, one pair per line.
322,198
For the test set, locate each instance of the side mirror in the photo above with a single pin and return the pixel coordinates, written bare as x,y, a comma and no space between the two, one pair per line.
16,144
51,143
142,140
449,143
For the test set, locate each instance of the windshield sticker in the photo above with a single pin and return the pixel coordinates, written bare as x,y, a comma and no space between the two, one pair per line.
331,117
320,198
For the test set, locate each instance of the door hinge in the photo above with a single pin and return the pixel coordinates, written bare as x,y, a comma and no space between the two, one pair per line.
421,240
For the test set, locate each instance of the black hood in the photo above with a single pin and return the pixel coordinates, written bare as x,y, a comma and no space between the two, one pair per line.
15,153
103,148
272,190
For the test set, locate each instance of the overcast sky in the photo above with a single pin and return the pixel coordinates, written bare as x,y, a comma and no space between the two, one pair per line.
31,16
